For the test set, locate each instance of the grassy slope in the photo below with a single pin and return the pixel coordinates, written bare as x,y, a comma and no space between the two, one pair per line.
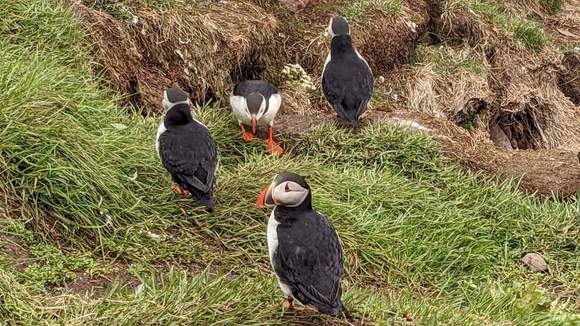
423,240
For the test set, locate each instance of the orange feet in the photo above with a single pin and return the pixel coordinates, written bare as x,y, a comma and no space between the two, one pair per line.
271,145
247,136
364,116
287,303
334,114
178,190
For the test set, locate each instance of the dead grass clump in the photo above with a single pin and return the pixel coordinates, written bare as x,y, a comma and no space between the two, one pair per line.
203,49
389,42
449,82
531,105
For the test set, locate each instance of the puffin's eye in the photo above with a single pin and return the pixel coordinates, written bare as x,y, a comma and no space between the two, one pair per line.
286,188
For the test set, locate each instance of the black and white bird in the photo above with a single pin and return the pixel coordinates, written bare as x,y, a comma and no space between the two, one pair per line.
304,247
347,79
186,148
255,103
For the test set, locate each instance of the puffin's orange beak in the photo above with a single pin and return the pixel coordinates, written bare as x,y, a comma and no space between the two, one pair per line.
254,124
261,200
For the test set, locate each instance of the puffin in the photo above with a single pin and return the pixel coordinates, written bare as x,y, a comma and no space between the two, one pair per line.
304,248
186,148
347,79
255,103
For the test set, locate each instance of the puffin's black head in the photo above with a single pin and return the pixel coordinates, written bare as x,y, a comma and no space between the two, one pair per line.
288,190
173,96
337,26
256,104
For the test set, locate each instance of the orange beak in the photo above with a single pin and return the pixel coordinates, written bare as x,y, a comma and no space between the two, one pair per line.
254,124
261,200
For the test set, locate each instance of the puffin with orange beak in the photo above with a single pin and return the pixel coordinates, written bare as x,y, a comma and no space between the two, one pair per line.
304,248
255,103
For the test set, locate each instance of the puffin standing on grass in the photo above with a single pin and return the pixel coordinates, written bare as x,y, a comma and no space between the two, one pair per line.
255,103
304,247
186,148
347,79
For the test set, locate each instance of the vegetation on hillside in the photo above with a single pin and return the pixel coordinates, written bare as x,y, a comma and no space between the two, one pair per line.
86,202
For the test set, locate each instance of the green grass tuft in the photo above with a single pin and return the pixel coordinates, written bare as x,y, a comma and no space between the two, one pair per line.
553,6
356,11
530,34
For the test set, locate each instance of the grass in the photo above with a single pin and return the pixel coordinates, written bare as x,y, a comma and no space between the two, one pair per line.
423,239
355,10
530,33
447,61
553,6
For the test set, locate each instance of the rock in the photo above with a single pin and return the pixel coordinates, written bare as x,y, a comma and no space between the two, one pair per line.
535,262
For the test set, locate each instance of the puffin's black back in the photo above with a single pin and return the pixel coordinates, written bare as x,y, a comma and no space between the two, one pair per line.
309,258
189,153
347,81
255,86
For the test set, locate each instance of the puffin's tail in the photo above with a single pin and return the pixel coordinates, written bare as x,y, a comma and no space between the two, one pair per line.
206,198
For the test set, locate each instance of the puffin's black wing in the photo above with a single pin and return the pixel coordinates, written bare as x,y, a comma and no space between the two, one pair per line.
309,260
333,85
347,83
255,86
189,153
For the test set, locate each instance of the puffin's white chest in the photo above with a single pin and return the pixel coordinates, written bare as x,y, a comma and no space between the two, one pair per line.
160,131
272,233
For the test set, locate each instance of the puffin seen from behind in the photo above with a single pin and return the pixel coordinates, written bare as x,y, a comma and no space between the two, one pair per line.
347,79
304,248
186,148
256,103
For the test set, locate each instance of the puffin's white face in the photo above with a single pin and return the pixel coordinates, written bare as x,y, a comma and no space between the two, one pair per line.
286,193
289,194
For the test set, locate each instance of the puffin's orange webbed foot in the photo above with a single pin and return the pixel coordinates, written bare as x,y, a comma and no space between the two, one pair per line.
247,136
364,117
287,303
273,148
334,114
271,145
180,191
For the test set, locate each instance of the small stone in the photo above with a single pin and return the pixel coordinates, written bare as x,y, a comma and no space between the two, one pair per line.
535,262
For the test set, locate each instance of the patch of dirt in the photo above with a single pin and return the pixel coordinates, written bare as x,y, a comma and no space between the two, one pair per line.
97,287
14,251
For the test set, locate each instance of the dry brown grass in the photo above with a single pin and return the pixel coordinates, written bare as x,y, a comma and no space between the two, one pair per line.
203,49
